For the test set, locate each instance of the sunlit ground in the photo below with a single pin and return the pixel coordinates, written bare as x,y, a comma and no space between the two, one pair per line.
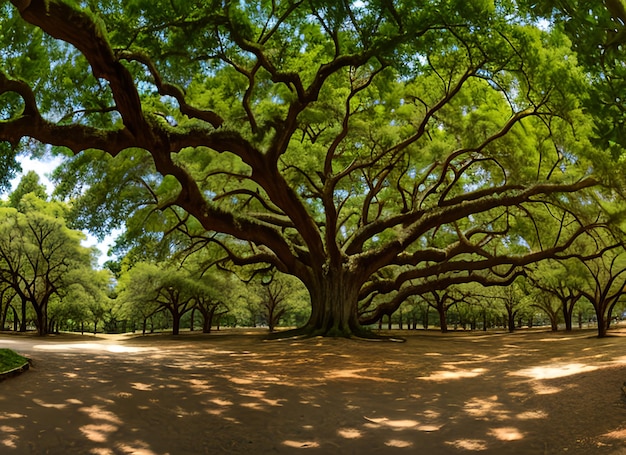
460,393
117,348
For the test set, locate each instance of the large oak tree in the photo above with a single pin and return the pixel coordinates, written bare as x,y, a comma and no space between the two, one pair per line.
375,150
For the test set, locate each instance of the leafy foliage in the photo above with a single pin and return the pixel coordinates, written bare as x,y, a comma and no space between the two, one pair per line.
375,151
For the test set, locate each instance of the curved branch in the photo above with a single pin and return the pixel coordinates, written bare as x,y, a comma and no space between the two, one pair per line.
175,92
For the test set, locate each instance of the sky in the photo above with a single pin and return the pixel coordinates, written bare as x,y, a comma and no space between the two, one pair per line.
43,168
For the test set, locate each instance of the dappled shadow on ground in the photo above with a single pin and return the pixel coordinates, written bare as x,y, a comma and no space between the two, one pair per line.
516,394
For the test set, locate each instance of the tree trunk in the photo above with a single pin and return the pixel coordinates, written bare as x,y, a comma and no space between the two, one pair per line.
567,316
206,322
23,320
443,319
3,320
554,324
425,315
270,318
602,326
176,323
334,299
511,321
42,320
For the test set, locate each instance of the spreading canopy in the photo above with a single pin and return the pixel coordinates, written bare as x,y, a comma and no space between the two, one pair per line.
375,150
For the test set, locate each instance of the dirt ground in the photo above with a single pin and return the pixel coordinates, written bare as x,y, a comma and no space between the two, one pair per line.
233,393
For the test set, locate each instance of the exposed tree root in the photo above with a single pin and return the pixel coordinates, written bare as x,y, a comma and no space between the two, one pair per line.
305,332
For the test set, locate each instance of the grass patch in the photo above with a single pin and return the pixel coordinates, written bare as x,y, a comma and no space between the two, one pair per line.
10,360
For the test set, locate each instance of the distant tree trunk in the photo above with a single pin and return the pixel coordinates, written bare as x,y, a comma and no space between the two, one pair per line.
206,324
23,320
191,319
568,309
176,323
443,318
602,324
426,317
511,320
580,319
3,320
270,318
389,324
41,319
554,325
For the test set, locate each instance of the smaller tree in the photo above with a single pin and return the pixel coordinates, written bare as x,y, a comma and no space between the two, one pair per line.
210,292
442,301
38,254
512,299
604,284
29,184
90,292
275,296
560,280
151,287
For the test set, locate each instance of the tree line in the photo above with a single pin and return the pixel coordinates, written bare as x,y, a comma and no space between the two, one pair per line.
50,282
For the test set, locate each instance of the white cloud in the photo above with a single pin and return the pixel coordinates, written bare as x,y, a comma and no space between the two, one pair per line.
43,168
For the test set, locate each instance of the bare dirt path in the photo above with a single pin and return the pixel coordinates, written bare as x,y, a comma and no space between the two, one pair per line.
526,393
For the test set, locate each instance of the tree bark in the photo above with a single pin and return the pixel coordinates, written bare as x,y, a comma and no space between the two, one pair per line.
23,320
443,318
334,300
3,320
602,326
41,319
206,323
567,316
176,323
511,321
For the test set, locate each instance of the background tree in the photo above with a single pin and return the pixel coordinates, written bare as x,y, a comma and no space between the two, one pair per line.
29,183
550,305
150,287
7,306
279,295
561,280
134,299
212,294
442,302
90,293
604,284
329,140
513,301
38,254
